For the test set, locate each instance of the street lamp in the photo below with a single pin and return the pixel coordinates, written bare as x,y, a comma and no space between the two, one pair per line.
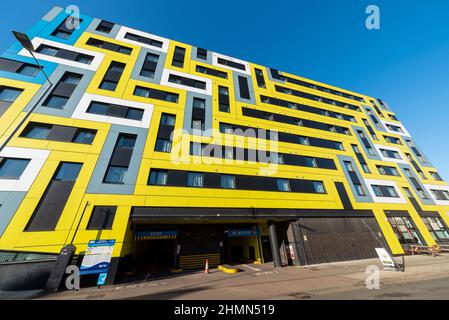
28,45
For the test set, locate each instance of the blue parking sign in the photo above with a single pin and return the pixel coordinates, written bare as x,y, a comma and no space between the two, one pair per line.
101,279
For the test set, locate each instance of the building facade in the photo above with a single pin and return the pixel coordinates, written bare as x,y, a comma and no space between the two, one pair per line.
181,154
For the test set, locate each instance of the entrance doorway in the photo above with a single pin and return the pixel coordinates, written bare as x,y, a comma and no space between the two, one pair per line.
242,245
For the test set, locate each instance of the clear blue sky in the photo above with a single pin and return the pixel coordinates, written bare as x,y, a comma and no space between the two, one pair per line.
406,62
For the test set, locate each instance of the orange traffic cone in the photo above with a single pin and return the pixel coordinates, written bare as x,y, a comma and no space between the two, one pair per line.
206,269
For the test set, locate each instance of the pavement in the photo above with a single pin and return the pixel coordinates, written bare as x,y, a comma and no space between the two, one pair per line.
425,277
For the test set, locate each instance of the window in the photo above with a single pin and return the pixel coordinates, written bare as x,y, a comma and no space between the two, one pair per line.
310,162
105,26
304,141
283,185
109,46
393,140
442,195
178,57
437,228
126,141
359,189
9,94
66,28
11,168
156,94
134,114
226,128
198,124
105,109
199,103
29,70
405,230
102,218
84,136
349,166
195,179
98,108
151,42
168,120
212,72
385,191
47,50
435,176
64,54
223,99
149,66
201,53
227,181
158,177
37,131
163,145
408,193
390,154
231,64
319,187
71,78
112,76
68,171
388,171
260,78
56,102
116,175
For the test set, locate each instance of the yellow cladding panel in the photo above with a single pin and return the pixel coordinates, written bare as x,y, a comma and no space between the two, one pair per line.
14,114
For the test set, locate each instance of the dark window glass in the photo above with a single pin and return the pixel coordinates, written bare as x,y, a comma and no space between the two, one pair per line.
116,175
102,218
68,171
85,136
12,168
163,145
108,85
56,102
134,114
98,108
126,141
37,131
9,94
228,181
28,70
158,177
195,180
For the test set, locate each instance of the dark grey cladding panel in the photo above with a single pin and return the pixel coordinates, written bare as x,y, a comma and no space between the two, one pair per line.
244,88
212,180
198,113
113,76
50,208
343,196
9,65
150,65
62,133
66,54
117,111
121,157
165,131
64,89
177,178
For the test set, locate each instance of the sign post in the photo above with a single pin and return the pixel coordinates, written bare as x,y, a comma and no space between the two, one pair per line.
97,259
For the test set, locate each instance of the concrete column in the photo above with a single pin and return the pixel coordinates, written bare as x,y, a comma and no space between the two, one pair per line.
275,245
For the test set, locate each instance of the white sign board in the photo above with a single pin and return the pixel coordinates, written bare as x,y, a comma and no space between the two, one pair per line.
385,257
97,257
